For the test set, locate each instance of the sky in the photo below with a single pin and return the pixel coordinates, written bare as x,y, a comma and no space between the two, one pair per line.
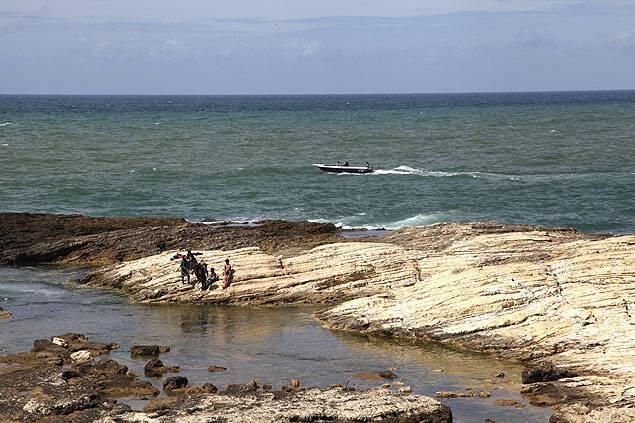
314,46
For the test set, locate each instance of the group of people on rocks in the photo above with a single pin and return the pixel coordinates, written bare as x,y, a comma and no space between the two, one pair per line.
190,265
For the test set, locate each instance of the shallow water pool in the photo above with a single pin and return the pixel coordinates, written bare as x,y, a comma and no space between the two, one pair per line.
271,345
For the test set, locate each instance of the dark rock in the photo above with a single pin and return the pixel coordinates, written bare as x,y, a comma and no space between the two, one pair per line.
208,388
28,239
175,382
156,368
148,350
387,374
44,345
69,374
545,372
103,368
509,403
154,364
216,369
237,389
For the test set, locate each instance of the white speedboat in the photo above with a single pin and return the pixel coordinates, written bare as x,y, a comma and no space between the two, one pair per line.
345,168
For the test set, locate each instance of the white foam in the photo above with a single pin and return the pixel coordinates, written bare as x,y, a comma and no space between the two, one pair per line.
356,222
6,124
407,170
417,220
5,145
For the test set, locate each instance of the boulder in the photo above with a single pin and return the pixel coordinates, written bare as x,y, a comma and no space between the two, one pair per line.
175,382
156,368
545,372
148,350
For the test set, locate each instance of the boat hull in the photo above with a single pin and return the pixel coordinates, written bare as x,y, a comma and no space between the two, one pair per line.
344,169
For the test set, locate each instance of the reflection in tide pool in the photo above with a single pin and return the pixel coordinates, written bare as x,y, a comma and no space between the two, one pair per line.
272,345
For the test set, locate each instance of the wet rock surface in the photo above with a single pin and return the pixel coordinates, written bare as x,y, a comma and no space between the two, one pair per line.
156,368
28,239
148,350
32,389
35,385
314,405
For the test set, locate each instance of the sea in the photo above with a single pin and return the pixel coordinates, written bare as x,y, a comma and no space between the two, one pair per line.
556,158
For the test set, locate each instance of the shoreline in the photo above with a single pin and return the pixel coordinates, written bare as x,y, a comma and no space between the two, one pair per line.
516,291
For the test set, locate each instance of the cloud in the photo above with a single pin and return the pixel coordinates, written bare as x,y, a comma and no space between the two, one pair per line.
301,48
626,39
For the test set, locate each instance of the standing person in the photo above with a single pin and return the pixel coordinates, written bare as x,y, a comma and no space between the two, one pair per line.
185,269
228,274
201,273
191,259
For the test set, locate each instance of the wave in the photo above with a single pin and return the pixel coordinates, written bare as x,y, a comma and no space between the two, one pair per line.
357,221
6,124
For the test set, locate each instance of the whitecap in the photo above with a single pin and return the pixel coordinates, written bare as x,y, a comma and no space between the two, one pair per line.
552,131
6,124
132,171
5,145
417,220
154,168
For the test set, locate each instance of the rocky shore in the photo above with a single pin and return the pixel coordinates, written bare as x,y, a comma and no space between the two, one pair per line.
69,378
559,300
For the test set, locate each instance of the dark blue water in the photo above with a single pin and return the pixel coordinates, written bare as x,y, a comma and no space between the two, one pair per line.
541,158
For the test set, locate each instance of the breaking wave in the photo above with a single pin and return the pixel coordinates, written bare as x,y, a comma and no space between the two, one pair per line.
360,222
6,123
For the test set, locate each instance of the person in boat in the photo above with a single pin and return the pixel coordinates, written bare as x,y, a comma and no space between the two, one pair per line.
228,274
211,279
346,163
368,165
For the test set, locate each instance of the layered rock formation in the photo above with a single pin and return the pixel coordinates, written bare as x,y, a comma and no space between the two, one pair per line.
526,293
29,239
542,295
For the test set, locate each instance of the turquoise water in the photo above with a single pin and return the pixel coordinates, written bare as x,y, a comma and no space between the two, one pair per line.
542,158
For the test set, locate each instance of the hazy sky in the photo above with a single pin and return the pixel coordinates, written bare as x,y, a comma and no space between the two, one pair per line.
314,46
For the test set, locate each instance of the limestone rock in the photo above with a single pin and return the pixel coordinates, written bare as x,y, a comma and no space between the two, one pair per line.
309,405
81,357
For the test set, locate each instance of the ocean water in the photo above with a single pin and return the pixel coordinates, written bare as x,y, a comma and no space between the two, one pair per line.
541,158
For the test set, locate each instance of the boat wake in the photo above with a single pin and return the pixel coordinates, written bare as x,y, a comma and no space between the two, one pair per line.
406,170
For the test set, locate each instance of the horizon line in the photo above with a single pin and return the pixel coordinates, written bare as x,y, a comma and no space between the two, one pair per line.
321,94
